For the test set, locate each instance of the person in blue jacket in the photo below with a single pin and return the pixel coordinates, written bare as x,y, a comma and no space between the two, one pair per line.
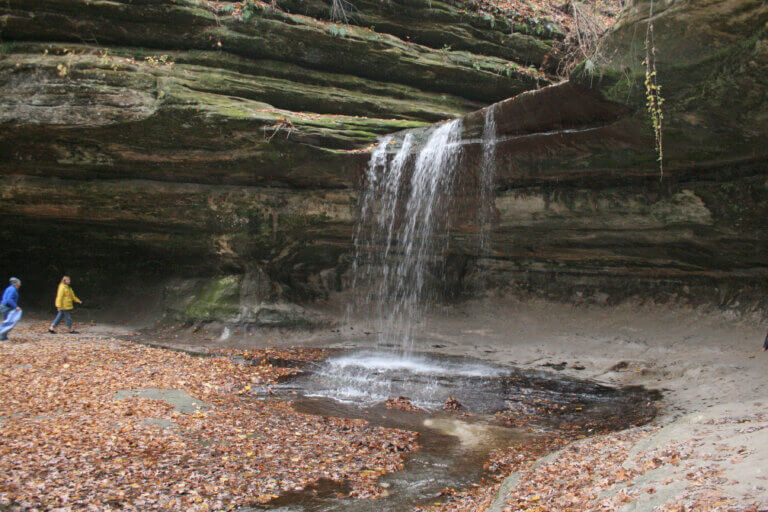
10,301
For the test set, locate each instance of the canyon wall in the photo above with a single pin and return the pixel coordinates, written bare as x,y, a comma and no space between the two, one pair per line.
215,148
185,138
585,213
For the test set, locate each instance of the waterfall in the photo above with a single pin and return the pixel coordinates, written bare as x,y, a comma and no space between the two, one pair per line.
487,180
402,235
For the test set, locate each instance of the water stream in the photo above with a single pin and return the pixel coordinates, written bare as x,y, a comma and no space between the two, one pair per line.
454,445
487,180
407,205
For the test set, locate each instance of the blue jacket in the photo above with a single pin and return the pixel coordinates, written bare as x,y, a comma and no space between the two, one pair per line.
10,297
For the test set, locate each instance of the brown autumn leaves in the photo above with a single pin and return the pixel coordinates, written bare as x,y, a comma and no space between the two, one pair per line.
67,444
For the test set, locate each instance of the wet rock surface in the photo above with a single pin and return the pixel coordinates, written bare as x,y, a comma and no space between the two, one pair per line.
583,210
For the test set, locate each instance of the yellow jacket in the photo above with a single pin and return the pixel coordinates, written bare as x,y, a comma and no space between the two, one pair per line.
65,297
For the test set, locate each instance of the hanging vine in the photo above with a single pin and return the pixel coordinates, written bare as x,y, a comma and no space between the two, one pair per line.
653,98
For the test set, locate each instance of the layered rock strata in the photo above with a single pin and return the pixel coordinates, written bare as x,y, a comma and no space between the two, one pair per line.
195,138
585,212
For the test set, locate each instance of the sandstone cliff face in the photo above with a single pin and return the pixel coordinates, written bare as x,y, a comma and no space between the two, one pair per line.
583,210
195,138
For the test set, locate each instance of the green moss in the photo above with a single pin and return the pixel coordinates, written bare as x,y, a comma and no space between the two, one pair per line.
6,48
456,24
214,299
250,10
226,9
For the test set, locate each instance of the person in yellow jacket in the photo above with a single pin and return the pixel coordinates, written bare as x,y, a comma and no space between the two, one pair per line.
65,299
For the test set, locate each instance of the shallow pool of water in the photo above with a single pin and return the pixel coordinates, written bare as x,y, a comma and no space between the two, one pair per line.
454,445
367,378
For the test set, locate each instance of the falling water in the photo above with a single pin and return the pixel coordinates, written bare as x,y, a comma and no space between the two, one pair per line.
487,179
402,235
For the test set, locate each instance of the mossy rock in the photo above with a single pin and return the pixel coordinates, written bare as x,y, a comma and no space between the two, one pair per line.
210,299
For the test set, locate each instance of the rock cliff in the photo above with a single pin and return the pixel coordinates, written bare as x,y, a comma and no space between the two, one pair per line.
190,139
195,138
584,212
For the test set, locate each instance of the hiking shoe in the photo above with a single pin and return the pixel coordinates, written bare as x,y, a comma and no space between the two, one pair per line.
50,330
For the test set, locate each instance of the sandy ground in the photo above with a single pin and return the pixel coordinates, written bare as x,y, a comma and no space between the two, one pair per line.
708,365
698,358
710,368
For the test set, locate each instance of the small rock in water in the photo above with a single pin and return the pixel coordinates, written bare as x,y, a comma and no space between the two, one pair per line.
403,403
453,405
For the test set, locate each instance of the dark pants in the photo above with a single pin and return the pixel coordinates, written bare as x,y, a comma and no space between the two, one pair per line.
67,318
765,343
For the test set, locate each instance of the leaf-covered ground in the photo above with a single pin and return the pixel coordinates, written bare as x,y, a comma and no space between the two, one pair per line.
66,443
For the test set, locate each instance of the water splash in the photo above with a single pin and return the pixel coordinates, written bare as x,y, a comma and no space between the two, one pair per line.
368,378
402,233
